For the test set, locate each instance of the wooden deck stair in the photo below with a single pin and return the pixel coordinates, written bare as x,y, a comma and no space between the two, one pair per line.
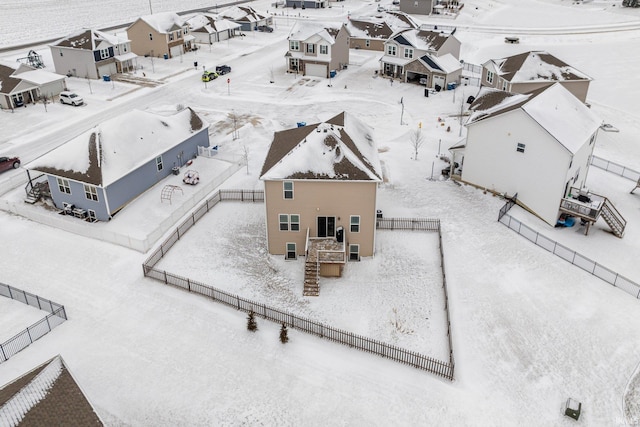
613,218
311,278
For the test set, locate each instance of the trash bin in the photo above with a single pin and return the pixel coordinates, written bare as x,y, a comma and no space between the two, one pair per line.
451,86
195,64
175,170
301,124
166,56
332,73
106,78
426,92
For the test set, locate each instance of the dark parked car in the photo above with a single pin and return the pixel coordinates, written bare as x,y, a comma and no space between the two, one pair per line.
265,29
7,163
223,69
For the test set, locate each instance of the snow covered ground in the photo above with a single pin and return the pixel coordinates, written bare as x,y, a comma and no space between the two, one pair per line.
529,329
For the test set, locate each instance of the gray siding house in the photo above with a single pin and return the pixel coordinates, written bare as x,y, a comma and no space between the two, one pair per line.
100,171
92,54
417,7
248,18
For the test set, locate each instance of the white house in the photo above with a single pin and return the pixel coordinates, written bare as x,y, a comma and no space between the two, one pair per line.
315,49
208,28
536,144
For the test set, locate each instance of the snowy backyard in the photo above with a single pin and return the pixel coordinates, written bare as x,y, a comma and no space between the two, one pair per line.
529,329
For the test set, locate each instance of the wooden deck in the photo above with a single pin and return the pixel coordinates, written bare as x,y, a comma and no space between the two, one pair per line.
326,250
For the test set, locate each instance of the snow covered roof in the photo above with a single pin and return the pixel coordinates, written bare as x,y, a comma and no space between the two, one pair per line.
118,146
447,63
164,22
369,28
397,20
426,40
11,76
89,39
341,148
535,66
210,23
554,108
304,30
243,14
48,392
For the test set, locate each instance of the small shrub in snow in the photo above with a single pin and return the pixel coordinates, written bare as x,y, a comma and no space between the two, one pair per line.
251,322
284,334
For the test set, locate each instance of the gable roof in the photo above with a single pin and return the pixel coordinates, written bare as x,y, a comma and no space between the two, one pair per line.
89,39
427,40
46,394
303,30
163,23
118,146
554,108
210,24
340,149
243,14
11,77
397,20
7,81
369,28
535,66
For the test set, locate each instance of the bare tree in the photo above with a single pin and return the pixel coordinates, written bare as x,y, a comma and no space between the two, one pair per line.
417,139
245,157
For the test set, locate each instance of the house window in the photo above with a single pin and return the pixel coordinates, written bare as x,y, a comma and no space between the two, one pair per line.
504,85
291,251
489,76
324,49
293,64
355,223
367,43
294,222
63,185
170,37
520,148
294,45
310,48
391,50
284,222
354,252
159,165
91,214
185,30
90,192
288,189
178,34
150,36
61,53
593,138
408,53
104,53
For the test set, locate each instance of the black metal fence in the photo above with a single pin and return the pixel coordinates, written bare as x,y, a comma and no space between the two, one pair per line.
360,342
42,327
567,254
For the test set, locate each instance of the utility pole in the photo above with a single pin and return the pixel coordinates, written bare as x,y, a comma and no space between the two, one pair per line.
402,112
150,9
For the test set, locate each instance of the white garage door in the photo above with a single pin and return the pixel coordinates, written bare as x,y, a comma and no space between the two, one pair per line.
439,81
224,35
318,70
176,50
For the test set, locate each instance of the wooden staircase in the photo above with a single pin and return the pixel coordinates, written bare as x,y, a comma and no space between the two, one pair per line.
613,218
311,278
636,187
35,191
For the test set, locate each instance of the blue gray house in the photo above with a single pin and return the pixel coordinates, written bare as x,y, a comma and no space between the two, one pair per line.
97,173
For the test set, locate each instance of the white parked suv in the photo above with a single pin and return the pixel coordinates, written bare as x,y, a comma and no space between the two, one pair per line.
70,98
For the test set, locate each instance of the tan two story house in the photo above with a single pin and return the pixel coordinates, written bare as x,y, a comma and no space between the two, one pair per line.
161,34
320,184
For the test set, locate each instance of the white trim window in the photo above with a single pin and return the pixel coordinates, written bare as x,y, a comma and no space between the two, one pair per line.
391,50
291,252
287,188
490,76
294,45
104,53
367,43
354,252
63,185
159,165
91,192
520,148
408,52
310,48
283,220
150,36
354,223
294,222
324,49
91,214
